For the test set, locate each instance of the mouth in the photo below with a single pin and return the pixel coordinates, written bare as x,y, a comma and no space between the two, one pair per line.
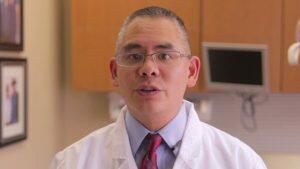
148,90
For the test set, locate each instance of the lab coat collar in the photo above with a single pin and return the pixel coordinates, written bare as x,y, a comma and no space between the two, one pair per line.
121,151
187,157
190,148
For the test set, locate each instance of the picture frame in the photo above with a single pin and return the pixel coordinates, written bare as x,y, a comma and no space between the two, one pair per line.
11,25
13,100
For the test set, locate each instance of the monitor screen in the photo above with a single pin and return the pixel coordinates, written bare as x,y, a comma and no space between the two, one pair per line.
231,66
235,67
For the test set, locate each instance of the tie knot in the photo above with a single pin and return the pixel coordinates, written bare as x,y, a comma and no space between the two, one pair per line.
155,140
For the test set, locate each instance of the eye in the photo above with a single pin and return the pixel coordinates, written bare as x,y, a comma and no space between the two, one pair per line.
134,57
163,56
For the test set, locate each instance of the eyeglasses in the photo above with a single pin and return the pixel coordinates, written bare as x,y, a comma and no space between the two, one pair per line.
165,58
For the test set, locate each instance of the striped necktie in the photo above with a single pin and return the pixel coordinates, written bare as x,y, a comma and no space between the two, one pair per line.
150,159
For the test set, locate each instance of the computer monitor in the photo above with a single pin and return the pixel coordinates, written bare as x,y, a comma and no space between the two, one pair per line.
232,67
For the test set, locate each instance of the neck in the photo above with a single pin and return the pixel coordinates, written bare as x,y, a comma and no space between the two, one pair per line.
154,121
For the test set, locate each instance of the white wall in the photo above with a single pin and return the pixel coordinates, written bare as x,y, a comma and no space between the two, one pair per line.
277,136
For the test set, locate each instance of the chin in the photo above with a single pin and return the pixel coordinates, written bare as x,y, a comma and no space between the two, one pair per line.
150,107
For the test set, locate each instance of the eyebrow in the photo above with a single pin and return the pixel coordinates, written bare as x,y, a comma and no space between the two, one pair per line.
131,46
164,46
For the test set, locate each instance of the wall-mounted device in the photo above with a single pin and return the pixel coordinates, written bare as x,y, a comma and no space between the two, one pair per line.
240,68
235,67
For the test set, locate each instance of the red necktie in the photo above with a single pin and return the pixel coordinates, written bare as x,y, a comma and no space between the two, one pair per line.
150,159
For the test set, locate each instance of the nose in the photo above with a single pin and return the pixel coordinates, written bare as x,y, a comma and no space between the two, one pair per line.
149,68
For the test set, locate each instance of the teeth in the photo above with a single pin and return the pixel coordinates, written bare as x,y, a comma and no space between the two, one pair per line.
148,89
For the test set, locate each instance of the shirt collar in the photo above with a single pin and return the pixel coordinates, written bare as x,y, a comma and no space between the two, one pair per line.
136,132
172,133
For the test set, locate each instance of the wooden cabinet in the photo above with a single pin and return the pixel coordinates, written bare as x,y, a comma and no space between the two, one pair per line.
95,25
94,28
254,22
290,73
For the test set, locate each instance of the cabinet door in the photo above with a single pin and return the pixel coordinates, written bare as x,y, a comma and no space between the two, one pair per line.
255,22
291,73
95,25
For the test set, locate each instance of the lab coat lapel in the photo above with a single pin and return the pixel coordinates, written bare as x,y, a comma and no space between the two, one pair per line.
190,151
121,152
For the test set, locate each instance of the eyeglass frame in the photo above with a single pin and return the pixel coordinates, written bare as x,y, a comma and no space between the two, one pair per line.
153,55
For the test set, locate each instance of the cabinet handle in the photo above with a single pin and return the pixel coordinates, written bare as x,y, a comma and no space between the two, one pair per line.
293,53
294,49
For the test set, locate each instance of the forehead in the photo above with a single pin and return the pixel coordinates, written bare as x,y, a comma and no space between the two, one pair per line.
149,32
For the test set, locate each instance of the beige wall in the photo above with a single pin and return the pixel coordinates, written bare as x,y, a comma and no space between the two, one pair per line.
42,49
281,160
57,115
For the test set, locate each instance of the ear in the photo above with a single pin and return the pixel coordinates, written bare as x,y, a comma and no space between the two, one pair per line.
194,69
113,72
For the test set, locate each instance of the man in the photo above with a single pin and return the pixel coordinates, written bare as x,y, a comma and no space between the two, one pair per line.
14,102
11,103
157,129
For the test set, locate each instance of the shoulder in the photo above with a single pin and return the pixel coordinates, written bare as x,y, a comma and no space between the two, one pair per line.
229,149
217,148
222,139
98,136
86,148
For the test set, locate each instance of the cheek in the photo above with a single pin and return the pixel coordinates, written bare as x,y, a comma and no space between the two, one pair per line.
177,78
125,79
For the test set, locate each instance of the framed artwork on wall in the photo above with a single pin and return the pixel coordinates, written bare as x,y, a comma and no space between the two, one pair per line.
11,25
13,100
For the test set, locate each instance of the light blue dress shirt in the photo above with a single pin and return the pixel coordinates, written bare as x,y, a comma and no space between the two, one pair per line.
172,135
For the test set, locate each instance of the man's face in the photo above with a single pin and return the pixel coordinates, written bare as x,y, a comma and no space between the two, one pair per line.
153,89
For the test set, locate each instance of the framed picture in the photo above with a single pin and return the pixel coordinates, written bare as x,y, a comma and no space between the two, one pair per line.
13,100
11,25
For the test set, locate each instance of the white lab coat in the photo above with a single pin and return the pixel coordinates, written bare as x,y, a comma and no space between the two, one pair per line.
203,147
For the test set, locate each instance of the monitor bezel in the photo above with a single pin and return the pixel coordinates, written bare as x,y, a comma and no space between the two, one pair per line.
235,87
